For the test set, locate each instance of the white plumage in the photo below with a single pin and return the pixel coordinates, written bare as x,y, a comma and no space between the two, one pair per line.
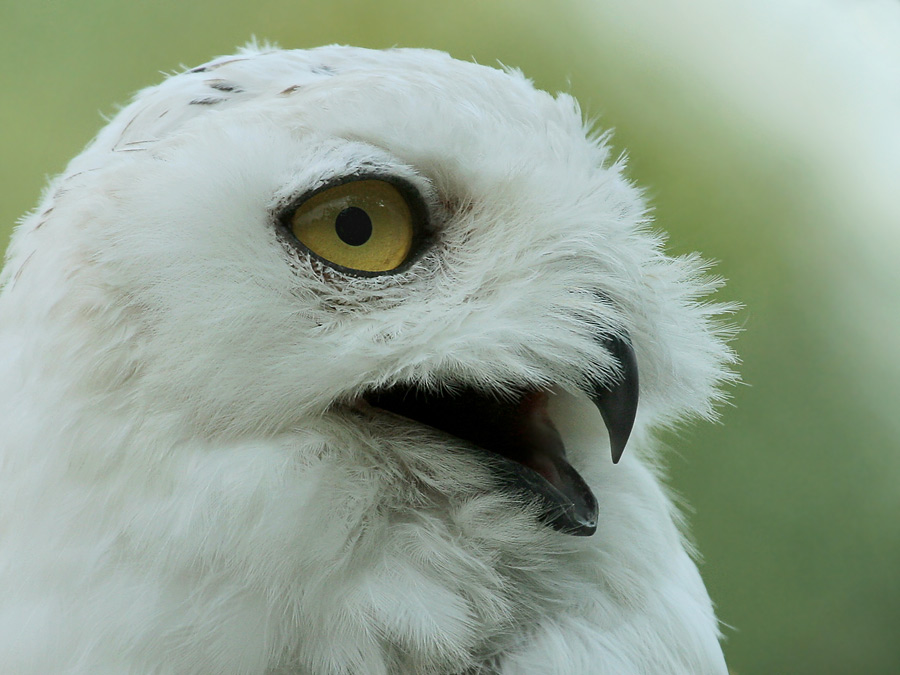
191,478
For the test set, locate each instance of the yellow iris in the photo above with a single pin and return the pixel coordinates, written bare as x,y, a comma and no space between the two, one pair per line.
363,225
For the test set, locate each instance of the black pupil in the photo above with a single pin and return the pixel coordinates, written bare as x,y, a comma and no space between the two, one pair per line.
353,226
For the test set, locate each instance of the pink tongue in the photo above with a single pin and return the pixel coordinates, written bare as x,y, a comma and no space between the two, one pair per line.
537,439
543,452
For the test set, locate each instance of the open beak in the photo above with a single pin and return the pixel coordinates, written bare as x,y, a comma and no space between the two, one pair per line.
521,441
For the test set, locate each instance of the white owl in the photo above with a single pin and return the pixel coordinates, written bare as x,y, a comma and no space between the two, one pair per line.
300,368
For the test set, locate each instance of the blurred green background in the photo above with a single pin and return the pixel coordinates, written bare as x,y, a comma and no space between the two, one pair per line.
768,137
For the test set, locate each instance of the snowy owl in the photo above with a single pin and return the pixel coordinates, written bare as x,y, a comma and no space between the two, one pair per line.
323,362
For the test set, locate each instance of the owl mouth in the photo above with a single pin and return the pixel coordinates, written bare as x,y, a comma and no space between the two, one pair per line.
518,436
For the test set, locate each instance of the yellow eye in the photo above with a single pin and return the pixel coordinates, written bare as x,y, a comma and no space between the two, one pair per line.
364,225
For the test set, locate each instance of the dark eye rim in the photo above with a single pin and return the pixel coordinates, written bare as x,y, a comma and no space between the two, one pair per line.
410,193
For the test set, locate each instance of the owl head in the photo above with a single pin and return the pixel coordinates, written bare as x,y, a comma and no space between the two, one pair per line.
430,273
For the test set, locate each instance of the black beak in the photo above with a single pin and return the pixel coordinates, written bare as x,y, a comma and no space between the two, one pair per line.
618,402
519,439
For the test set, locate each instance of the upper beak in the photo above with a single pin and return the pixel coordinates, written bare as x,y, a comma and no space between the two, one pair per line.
618,402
